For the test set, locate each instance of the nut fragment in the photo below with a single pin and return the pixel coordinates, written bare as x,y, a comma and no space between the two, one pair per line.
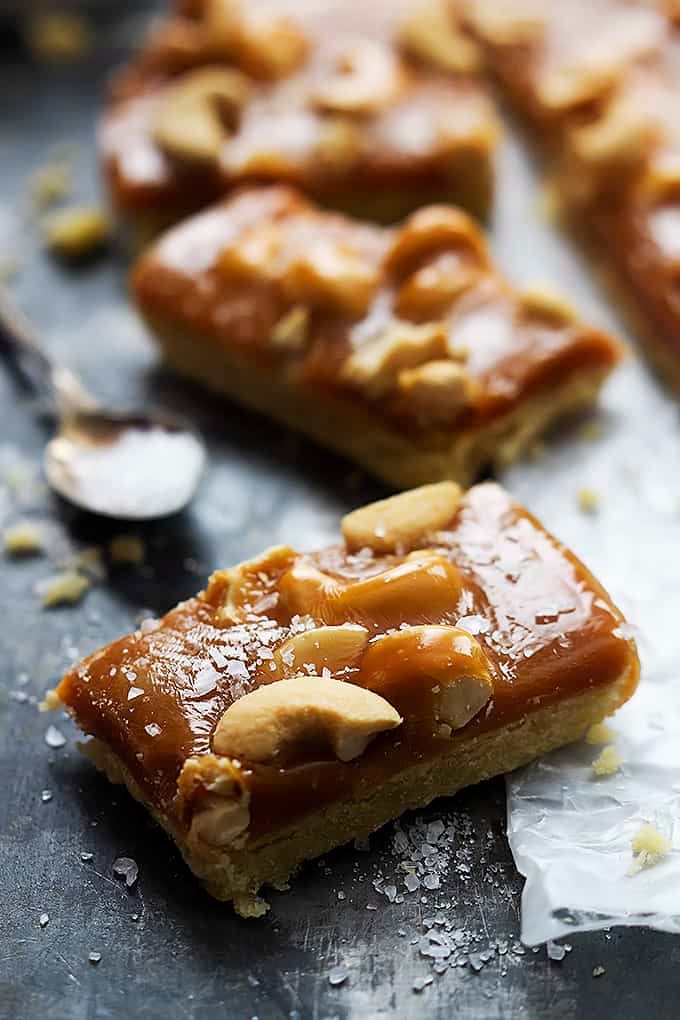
262,42
507,22
430,291
291,332
430,33
195,115
545,303
282,721
332,648
367,76
219,798
432,230
374,367
238,589
436,393
402,521
440,673
615,144
77,232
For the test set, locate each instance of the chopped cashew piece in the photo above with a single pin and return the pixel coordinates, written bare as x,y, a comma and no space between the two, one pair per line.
608,762
600,733
374,367
649,847
403,521
241,583
618,141
266,44
77,232
332,648
280,721
366,78
222,810
445,661
127,549
429,33
22,539
196,113
437,392
291,332
545,303
507,22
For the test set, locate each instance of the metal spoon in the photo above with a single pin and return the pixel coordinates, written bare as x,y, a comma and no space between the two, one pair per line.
136,465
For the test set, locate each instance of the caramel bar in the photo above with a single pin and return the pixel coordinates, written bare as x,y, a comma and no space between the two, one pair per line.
303,700
599,82
402,348
372,108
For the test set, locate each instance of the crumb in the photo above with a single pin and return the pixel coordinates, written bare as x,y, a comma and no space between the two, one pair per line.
600,733
590,431
65,588
77,232
49,184
588,500
50,702
127,549
58,36
22,539
608,762
649,847
598,971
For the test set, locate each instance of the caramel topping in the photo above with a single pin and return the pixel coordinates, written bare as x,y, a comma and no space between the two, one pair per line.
492,621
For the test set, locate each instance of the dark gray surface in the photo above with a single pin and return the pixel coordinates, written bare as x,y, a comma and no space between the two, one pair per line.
186,957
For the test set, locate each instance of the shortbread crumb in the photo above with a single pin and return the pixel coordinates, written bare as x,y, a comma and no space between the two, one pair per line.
127,549
588,500
608,762
600,733
63,589
649,847
23,539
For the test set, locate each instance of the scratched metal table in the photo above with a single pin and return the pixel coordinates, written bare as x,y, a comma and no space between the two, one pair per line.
348,940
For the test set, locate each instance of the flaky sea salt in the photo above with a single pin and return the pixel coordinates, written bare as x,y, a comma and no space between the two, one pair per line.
54,737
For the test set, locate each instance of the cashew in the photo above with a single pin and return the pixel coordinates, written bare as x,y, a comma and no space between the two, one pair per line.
330,273
263,43
429,231
425,583
237,589
546,304
215,790
291,332
433,669
507,22
618,141
429,292
437,392
402,521
367,77
194,115
430,34
331,648
282,721
374,367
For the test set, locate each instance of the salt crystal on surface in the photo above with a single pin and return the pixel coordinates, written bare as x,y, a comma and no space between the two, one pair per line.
125,867
46,796
555,951
153,729
85,857
134,692
54,737
474,624
94,957
44,920
149,625
338,975
421,982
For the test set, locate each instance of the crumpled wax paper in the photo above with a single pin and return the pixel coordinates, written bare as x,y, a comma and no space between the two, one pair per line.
570,832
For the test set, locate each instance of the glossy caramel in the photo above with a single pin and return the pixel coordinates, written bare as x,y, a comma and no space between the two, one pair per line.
433,138
544,627
193,281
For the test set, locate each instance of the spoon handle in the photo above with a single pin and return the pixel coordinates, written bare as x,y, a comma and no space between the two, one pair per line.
61,386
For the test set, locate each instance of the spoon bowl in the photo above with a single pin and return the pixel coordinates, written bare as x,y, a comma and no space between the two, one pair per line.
133,466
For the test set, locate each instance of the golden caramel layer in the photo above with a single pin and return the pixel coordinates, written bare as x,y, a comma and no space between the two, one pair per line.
600,82
243,695
362,106
414,325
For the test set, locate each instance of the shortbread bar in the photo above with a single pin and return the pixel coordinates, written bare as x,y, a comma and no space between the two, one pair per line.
303,700
401,348
599,82
372,108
